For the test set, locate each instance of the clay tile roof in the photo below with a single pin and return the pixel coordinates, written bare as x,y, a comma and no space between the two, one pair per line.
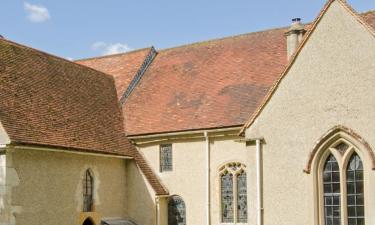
369,17
122,66
212,84
49,101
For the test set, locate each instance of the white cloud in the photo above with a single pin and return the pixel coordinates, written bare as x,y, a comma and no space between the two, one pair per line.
69,58
110,48
36,13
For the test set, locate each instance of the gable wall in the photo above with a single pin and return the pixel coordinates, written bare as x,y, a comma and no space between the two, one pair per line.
331,83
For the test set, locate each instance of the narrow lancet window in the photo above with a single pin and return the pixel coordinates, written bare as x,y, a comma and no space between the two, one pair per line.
227,198
165,157
88,186
355,195
241,198
331,187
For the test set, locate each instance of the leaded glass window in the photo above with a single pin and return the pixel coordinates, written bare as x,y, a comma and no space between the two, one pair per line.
227,198
331,183
176,211
88,186
355,195
165,157
341,192
233,192
241,198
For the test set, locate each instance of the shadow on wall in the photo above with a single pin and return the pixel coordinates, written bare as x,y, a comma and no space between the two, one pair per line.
141,204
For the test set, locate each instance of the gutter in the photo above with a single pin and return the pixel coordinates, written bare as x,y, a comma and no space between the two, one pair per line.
69,151
177,133
151,139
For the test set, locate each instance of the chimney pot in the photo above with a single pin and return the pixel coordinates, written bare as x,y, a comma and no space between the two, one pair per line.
294,36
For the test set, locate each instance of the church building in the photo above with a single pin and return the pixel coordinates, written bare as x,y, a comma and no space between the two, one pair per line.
273,127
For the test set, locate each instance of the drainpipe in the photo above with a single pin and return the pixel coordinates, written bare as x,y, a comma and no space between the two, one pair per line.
157,199
208,207
259,181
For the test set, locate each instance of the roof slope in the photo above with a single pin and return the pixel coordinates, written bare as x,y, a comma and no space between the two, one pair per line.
122,67
367,19
49,101
206,85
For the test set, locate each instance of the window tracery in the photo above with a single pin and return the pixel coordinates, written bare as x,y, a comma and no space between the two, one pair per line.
233,186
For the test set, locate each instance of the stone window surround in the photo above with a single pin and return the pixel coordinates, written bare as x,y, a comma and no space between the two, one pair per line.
222,170
322,150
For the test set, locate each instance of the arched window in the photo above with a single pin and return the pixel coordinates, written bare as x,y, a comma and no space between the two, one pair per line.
88,189
176,211
233,186
340,182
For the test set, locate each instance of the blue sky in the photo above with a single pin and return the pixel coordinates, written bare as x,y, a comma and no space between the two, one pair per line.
85,28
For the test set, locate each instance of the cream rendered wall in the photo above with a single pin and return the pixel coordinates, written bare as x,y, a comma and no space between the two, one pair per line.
140,197
225,150
50,186
188,178
331,83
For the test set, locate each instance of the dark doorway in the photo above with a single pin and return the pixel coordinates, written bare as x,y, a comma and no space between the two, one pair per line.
88,221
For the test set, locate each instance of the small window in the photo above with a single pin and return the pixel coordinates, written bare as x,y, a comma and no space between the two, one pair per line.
88,187
165,158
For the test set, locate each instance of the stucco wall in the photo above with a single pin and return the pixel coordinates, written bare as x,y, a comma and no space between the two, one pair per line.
331,83
188,178
141,197
50,186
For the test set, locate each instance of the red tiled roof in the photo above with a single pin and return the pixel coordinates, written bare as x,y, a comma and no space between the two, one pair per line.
122,67
206,85
369,17
212,84
49,101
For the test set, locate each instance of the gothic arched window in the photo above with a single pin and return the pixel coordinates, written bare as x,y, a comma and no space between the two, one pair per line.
340,182
176,211
233,186
88,189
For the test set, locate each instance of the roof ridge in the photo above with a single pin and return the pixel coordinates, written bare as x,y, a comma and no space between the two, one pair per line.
51,55
222,38
113,55
367,12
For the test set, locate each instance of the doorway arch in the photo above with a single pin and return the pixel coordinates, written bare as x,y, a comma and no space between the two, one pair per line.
88,221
